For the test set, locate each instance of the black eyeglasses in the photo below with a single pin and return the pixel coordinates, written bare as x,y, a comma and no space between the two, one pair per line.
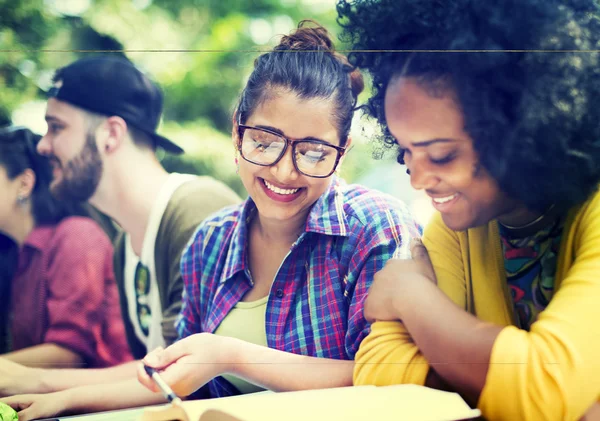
142,288
313,158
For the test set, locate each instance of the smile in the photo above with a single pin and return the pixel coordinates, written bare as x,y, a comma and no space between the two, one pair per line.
278,190
444,199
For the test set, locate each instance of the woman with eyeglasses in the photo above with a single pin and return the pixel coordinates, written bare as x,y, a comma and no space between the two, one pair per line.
59,298
495,108
274,288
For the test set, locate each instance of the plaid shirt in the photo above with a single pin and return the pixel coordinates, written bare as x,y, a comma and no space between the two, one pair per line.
315,306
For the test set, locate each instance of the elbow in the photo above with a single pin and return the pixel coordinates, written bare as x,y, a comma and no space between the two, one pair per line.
388,362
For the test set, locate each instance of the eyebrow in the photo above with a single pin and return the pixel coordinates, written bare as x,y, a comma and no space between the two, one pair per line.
50,118
276,130
426,143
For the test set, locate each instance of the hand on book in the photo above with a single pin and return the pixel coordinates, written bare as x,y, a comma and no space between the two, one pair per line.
190,363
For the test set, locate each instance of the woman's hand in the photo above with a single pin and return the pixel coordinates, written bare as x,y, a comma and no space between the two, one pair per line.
190,363
33,407
391,285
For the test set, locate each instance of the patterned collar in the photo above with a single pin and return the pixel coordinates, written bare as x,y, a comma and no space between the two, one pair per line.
327,217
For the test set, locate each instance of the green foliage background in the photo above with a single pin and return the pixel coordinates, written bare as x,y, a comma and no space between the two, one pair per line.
199,51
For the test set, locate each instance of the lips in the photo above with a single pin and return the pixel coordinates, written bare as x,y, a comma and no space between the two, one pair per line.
280,190
444,199
281,193
444,203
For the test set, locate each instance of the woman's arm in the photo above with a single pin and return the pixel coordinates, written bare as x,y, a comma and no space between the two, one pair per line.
456,343
283,371
16,379
95,398
46,355
193,361
550,372
389,354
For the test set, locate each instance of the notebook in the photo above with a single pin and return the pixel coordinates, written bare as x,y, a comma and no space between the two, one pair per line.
385,403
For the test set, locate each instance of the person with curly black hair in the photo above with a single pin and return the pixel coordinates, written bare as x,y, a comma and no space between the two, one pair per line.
495,108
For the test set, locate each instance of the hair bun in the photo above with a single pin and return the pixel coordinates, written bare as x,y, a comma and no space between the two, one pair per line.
357,82
306,38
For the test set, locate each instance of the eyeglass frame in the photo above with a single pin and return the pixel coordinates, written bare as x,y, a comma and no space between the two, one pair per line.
341,150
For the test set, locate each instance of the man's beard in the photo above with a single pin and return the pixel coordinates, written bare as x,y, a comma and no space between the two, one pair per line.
81,175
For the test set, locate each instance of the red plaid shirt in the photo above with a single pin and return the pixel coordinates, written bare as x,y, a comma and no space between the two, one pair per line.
64,292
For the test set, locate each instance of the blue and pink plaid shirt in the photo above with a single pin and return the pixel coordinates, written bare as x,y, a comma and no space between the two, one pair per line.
315,306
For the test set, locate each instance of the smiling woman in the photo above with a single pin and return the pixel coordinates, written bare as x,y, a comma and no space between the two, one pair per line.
282,277
494,106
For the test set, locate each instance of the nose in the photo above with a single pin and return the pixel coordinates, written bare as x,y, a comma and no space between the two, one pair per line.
421,175
43,146
284,169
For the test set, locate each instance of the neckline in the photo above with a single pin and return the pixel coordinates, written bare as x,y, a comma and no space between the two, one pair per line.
546,220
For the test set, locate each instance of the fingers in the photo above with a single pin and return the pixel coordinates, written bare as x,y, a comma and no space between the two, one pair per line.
154,358
145,379
417,249
161,358
27,415
17,403
22,405
368,313
421,257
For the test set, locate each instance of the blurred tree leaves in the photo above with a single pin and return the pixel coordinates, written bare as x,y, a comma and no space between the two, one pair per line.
199,51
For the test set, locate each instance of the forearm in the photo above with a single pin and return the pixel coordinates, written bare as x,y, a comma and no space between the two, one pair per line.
283,371
105,397
46,355
457,344
57,380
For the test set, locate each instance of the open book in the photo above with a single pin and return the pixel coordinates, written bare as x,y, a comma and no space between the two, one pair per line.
388,403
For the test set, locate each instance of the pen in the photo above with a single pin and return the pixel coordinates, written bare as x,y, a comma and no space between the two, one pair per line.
164,387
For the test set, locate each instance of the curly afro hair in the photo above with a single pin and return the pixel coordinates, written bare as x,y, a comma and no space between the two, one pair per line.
525,73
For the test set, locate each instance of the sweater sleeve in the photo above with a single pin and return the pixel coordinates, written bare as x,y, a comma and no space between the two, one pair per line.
388,354
552,372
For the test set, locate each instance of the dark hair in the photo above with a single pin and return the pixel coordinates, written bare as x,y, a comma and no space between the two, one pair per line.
533,115
8,262
305,63
18,153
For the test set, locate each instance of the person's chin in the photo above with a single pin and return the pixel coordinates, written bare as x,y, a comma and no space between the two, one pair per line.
457,222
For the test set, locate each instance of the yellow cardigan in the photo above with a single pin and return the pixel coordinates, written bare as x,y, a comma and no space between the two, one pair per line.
549,373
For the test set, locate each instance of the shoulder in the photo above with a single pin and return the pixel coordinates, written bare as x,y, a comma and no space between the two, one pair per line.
78,230
195,200
215,231
590,209
366,206
585,218
222,221
436,227
202,190
78,239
